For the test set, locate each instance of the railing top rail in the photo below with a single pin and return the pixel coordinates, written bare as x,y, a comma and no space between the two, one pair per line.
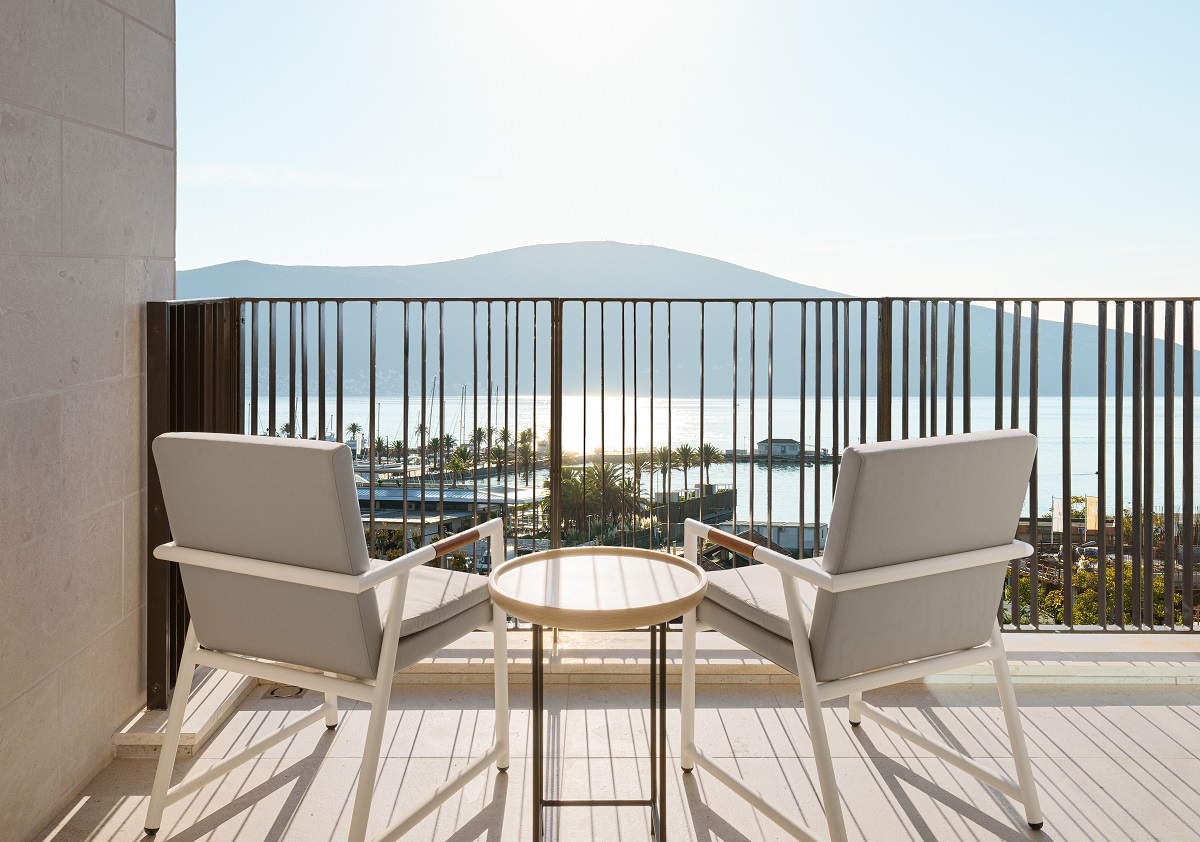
986,300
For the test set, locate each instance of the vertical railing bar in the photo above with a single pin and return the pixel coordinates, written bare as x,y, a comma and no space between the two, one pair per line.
836,446
304,369
754,382
272,370
862,372
254,368
733,558
923,369
1135,540
1119,457
405,421
602,480
1015,386
643,466
1189,474
509,513
556,421
534,419
817,430
584,453
653,455
324,434
904,374
703,486
1068,557
474,428
1148,407
884,351
951,307
1169,464
966,368
670,415
443,450
488,461
845,373
999,384
1035,566
625,515
371,423
803,418
771,415
1102,463
292,369
933,368
341,363
424,425
516,422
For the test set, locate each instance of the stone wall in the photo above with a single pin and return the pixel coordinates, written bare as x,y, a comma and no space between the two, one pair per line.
87,233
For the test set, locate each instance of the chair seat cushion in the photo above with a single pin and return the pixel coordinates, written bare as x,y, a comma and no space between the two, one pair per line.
747,605
433,597
755,593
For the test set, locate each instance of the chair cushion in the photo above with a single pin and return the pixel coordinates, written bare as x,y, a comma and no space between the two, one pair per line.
755,592
433,596
746,604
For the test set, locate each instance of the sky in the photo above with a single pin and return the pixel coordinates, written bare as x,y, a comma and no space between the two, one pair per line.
877,148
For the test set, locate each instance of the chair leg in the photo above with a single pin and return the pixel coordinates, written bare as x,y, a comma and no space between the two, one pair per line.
687,695
369,768
330,707
855,702
500,667
1016,734
166,757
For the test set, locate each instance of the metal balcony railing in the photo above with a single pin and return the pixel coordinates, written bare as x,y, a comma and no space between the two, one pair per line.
586,420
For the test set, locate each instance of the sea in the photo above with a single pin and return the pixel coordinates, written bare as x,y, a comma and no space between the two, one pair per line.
623,424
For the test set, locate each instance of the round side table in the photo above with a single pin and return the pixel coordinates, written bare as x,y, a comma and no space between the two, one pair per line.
601,589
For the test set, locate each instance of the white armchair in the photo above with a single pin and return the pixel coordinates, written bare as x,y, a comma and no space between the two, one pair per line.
909,585
270,544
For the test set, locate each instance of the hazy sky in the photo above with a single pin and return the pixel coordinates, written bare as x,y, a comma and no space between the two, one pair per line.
979,148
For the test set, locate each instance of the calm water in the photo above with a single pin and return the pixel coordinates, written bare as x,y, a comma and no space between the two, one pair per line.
659,422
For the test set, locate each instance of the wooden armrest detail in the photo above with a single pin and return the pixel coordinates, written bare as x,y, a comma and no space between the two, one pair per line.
452,542
732,542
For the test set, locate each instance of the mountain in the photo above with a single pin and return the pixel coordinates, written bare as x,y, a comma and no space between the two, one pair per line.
621,271
586,270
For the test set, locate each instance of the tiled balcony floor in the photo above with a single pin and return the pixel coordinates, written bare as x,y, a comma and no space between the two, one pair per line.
1118,761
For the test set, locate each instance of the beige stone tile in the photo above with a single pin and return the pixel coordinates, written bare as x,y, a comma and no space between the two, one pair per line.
118,195
101,687
149,84
101,444
29,746
30,145
61,322
133,563
30,505
65,58
158,14
145,280
57,595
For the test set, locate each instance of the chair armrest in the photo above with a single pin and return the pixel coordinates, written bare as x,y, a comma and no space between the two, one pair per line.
804,569
344,582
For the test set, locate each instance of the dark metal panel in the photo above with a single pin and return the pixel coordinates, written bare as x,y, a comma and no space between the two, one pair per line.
951,307
556,415
1035,562
1102,465
1068,557
1148,407
1189,467
1169,464
1119,471
883,372
1135,541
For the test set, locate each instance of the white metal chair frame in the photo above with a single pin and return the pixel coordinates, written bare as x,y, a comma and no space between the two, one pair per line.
792,572
375,693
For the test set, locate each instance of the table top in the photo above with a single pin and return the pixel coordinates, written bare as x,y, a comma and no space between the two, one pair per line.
597,588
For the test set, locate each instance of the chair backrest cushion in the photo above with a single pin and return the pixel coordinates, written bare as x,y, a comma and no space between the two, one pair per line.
908,500
288,501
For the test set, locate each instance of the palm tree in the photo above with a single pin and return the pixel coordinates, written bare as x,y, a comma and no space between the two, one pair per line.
525,436
285,430
639,462
353,429
380,447
710,455
479,439
499,455
662,460
457,465
525,459
686,457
